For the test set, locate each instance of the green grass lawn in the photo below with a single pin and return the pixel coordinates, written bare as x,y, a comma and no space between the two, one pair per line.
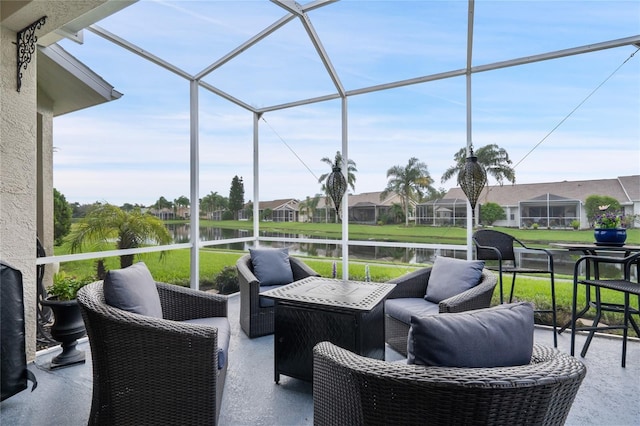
174,266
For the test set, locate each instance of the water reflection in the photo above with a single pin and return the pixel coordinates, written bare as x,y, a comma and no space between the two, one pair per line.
563,261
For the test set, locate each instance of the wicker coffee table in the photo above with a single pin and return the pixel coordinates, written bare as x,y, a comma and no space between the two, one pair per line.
346,313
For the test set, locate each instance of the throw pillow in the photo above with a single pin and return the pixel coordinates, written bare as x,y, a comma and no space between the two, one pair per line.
271,266
450,276
133,289
501,336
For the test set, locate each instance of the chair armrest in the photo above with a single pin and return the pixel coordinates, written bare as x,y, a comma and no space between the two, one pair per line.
413,284
159,351
244,272
247,281
523,245
301,270
547,252
494,250
355,390
477,297
182,303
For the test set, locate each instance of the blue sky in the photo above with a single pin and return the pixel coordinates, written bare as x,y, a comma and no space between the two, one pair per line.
136,149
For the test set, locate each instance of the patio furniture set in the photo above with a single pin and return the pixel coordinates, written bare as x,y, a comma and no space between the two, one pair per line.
466,362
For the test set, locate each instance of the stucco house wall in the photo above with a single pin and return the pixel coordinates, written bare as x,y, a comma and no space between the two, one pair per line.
18,142
26,144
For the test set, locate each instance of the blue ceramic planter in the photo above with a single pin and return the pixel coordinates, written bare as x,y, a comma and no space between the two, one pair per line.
610,237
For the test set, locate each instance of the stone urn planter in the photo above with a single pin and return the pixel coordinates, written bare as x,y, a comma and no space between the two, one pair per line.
68,325
67,328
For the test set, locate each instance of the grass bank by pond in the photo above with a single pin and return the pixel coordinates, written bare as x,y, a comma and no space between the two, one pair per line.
416,234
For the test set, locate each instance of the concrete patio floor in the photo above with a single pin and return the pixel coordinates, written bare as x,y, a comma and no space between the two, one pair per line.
609,395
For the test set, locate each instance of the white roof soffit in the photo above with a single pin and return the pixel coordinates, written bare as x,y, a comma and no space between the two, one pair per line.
73,30
69,83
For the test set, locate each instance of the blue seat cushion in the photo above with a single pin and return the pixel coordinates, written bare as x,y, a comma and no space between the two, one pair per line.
402,309
133,289
501,336
266,302
224,335
271,266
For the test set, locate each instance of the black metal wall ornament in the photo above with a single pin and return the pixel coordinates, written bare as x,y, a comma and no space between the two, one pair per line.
26,46
336,186
472,179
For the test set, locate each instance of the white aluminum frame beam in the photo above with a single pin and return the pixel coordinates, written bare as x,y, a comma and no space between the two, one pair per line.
296,9
139,51
469,137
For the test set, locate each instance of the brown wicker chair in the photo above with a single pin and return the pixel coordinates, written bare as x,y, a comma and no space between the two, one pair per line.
414,285
256,320
150,371
349,389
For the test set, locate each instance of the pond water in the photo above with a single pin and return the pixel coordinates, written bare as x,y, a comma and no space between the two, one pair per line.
563,261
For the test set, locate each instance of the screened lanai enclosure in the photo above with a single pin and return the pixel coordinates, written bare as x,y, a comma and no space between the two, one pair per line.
265,90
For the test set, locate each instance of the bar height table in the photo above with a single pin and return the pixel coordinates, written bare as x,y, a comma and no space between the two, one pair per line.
625,285
346,313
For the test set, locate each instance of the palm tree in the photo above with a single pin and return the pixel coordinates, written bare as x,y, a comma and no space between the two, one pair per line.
410,182
181,201
107,222
494,159
350,175
308,207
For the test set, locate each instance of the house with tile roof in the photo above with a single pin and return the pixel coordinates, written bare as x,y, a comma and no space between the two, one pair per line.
553,205
283,210
365,208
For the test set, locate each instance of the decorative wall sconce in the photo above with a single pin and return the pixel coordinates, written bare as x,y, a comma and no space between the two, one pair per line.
26,46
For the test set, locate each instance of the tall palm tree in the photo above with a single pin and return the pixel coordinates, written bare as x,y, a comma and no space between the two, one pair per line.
107,222
308,207
494,159
411,182
350,176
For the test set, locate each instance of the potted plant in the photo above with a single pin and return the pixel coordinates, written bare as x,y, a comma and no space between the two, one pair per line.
68,325
609,228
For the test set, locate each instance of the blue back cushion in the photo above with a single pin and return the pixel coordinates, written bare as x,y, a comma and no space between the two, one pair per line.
450,277
133,289
501,336
271,266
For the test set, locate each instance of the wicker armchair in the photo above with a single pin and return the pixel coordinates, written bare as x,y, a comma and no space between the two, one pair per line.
414,285
256,320
349,389
149,371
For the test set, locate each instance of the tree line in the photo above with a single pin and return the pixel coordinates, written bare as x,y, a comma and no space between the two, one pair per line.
412,182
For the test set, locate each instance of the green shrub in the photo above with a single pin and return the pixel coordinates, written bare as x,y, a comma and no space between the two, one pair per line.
575,224
490,213
227,280
66,286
